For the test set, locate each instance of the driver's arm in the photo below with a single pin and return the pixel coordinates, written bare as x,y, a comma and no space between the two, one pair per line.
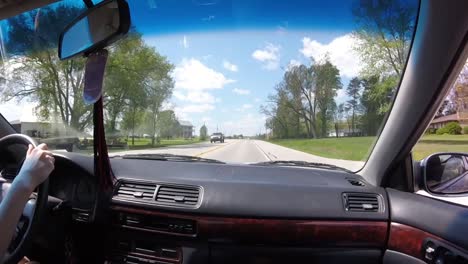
37,166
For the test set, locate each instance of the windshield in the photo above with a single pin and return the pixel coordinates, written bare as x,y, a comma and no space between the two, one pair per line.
280,80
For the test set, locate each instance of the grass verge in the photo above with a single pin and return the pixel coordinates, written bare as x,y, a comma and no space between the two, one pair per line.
357,148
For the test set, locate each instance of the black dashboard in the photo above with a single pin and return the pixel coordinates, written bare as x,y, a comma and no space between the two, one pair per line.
75,186
195,212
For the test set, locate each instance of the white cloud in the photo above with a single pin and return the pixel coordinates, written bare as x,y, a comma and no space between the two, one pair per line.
191,74
230,66
341,96
293,63
198,97
248,125
241,91
257,100
269,56
185,42
244,107
194,108
340,51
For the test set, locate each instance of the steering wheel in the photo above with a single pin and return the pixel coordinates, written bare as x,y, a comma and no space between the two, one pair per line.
33,209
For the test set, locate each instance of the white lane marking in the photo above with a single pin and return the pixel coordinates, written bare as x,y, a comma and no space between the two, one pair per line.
262,151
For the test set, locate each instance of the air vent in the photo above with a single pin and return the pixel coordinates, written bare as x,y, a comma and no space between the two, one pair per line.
9,173
355,182
178,195
362,202
136,191
81,215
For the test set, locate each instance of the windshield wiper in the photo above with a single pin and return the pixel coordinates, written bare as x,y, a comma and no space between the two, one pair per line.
167,157
296,163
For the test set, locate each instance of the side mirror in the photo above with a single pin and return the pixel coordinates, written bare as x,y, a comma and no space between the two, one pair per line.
95,29
446,173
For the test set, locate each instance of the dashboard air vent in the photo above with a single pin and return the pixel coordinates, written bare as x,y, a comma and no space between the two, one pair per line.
183,196
355,182
138,191
362,202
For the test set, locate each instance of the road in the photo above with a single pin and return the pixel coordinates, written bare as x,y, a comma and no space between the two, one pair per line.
245,151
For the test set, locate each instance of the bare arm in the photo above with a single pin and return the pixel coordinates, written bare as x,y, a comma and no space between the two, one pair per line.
37,166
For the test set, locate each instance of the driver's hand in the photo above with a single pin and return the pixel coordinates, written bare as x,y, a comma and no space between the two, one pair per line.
37,166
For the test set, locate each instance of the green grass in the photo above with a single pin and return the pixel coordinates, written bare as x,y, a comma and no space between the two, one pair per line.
430,144
357,148
348,148
145,143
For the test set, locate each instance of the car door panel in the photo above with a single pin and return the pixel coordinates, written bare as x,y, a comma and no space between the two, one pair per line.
391,257
417,220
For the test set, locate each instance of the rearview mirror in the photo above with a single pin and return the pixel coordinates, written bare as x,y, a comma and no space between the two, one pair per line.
446,173
95,29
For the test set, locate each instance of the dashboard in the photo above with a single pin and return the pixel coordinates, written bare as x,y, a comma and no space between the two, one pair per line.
74,186
167,212
184,212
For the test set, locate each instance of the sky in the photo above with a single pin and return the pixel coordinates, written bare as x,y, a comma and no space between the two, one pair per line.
229,55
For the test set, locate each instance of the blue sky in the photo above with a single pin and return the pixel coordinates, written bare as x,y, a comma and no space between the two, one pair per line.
229,55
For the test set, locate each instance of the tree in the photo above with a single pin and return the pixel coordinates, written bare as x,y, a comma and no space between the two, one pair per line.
352,91
338,114
38,74
130,121
203,132
282,114
328,81
300,81
158,92
446,108
136,76
385,30
383,36
168,126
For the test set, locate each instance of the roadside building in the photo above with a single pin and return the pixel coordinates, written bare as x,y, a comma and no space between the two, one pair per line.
186,129
39,129
444,120
346,133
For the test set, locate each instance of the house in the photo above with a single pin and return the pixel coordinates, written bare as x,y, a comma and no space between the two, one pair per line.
461,116
39,129
443,120
186,129
345,133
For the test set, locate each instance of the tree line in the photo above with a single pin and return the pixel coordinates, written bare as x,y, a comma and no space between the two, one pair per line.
137,79
304,105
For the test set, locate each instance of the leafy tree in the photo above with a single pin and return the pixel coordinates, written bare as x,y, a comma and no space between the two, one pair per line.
370,105
281,119
130,121
338,115
136,76
38,74
300,81
352,91
203,133
168,126
384,32
328,81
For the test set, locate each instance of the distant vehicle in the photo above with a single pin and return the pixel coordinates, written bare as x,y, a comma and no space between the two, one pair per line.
217,137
